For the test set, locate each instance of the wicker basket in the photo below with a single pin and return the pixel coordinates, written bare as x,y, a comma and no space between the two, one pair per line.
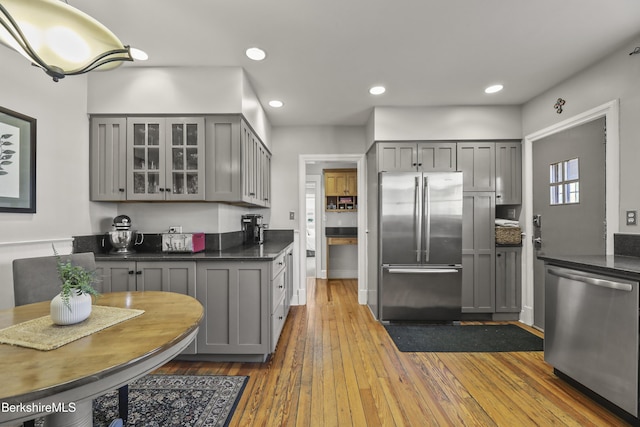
508,235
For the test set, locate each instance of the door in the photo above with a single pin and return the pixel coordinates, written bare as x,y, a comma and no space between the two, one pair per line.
568,198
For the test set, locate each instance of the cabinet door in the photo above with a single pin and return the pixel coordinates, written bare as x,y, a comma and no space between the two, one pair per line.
351,179
289,279
476,160
478,252
236,300
332,184
508,173
185,158
436,156
266,178
146,159
117,276
175,276
508,280
108,158
222,154
397,156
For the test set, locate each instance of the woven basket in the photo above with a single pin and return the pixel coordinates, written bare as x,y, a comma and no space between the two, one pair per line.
508,235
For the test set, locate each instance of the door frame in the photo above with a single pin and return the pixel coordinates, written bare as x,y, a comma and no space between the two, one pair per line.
359,160
317,182
611,112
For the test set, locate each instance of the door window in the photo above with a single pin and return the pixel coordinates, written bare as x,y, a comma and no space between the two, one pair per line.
564,182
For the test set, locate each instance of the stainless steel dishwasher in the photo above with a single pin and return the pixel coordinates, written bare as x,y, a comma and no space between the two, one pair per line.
591,332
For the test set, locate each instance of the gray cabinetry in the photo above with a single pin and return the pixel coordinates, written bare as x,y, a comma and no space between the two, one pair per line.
165,158
427,156
237,312
238,164
478,252
108,159
175,276
476,160
508,279
508,173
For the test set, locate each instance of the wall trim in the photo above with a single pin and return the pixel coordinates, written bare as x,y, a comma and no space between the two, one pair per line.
611,111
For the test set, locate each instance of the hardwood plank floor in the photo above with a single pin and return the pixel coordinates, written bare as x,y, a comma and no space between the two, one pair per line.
336,366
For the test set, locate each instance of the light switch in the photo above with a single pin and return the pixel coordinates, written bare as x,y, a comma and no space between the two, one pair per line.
292,215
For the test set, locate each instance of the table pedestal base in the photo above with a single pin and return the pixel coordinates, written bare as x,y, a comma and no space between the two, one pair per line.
82,416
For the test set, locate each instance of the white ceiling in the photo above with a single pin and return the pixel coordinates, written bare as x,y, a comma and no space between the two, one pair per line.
323,55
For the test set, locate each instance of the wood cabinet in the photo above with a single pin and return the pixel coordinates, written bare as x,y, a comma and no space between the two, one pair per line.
478,252
238,163
422,156
341,189
476,160
508,279
108,154
508,173
165,158
167,276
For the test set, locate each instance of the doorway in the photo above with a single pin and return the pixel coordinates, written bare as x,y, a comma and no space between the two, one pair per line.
609,111
306,162
313,218
568,199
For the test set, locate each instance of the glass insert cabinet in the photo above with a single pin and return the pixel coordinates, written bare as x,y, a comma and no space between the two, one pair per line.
165,158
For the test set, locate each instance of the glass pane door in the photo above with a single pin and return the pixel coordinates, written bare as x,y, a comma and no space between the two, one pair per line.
184,158
146,160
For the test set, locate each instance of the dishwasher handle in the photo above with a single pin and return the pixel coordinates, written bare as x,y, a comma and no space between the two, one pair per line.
610,284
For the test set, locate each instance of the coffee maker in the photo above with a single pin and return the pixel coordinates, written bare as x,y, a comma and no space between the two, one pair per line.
253,229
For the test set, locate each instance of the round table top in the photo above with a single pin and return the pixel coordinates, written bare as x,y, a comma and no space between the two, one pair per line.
27,373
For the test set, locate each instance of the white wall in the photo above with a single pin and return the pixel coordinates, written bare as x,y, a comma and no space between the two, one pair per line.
291,142
455,122
62,183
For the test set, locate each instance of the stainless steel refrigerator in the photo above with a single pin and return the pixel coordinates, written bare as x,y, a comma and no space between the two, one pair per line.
420,246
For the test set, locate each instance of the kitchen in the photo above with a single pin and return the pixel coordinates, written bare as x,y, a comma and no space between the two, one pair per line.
61,110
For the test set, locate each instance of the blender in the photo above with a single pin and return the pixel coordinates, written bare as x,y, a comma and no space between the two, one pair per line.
122,237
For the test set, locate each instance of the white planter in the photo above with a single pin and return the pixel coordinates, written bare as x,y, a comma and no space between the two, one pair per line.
79,309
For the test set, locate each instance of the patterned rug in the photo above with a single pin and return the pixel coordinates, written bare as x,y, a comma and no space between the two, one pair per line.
174,400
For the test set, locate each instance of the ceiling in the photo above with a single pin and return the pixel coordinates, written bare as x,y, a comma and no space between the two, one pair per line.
322,56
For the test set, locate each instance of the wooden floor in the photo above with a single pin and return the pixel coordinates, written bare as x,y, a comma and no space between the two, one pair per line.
336,366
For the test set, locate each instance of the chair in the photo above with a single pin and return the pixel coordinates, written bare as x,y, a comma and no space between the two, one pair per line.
36,279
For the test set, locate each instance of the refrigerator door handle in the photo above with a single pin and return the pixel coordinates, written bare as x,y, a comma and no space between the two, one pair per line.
423,270
426,209
417,218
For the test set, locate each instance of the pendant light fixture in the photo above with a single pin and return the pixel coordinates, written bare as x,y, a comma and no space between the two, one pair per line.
59,38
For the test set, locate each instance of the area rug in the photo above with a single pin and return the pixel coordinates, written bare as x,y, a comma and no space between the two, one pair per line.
463,338
174,400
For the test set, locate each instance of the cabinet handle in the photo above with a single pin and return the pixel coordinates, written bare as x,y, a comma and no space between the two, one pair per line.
131,272
138,272
168,190
498,255
280,317
161,190
498,196
252,194
280,286
121,190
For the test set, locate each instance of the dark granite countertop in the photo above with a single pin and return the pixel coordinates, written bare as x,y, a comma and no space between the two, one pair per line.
341,231
605,264
267,251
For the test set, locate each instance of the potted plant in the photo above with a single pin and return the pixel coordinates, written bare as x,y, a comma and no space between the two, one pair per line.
73,303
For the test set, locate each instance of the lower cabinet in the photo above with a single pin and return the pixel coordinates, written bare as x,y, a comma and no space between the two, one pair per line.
168,276
246,306
508,279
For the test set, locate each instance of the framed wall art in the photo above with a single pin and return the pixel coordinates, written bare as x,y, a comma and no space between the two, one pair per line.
17,162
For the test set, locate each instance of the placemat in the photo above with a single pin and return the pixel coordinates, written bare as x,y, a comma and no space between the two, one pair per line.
42,334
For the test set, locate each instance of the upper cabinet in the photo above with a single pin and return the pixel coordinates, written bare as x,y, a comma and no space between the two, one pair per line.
427,156
508,173
476,160
165,158
203,158
108,159
341,189
238,163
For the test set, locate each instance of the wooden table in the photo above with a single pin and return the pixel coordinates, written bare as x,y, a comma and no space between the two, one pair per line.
342,240
71,376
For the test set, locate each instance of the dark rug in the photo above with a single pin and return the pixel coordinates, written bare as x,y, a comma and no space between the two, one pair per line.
463,338
174,400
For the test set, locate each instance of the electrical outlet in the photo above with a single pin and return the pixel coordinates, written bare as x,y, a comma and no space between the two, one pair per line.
175,229
292,215
632,217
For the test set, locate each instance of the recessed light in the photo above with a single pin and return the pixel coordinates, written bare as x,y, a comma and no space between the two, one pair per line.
493,89
138,55
377,90
256,53
276,104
